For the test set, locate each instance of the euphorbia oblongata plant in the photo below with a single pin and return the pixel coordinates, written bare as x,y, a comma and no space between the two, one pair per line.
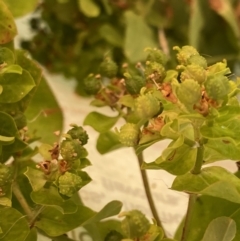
194,105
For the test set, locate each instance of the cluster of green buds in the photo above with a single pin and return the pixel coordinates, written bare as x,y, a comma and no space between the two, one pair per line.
64,161
143,94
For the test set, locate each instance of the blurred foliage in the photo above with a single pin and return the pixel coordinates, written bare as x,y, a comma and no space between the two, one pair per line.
74,36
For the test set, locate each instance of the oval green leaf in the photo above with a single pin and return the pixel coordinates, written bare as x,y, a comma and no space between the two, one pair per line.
100,122
15,86
8,29
220,229
89,8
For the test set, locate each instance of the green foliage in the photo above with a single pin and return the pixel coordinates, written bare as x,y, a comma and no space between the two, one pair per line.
192,103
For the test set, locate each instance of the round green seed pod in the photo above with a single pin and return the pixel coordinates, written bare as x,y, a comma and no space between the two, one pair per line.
146,106
198,60
72,150
108,68
69,183
195,72
134,83
156,70
92,84
129,134
156,55
77,132
217,87
135,224
185,53
189,92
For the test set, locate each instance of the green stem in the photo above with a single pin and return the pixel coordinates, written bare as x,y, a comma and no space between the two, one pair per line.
192,197
35,215
148,192
186,228
21,199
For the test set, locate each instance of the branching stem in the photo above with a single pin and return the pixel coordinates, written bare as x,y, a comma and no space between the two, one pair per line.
148,192
192,197
21,199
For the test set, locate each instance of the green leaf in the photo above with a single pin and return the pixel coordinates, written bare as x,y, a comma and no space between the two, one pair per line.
14,68
44,114
111,35
100,122
138,36
6,56
14,225
222,149
15,86
7,125
5,140
54,223
50,197
100,230
225,131
32,236
36,178
44,150
127,100
107,142
177,158
111,209
213,181
207,209
89,8
8,29
21,7
220,229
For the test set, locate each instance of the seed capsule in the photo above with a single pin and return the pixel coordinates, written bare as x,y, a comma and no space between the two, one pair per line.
185,53
92,84
72,150
108,68
155,70
134,83
135,224
146,106
156,55
217,87
77,132
129,134
189,92
195,72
